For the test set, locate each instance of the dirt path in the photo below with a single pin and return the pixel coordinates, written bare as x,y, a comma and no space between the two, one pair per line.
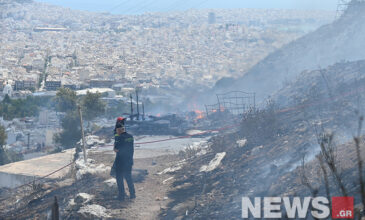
151,192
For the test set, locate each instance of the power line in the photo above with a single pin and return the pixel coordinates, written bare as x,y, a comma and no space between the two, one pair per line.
200,4
176,4
145,6
118,5
130,9
141,8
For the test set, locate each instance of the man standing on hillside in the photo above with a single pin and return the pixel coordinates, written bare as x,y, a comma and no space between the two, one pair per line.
120,120
123,146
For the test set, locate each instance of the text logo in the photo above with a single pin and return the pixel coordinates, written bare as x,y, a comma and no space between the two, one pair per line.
342,207
296,207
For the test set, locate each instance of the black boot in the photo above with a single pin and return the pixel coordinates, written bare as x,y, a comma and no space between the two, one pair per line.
121,197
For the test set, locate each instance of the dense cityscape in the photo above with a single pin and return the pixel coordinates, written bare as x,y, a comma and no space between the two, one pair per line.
48,43
44,48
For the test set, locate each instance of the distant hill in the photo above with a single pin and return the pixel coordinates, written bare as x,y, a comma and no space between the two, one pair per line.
17,1
343,40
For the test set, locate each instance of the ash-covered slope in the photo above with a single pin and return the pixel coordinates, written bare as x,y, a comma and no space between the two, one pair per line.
341,40
263,157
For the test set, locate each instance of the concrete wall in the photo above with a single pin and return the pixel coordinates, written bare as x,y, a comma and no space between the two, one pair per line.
13,180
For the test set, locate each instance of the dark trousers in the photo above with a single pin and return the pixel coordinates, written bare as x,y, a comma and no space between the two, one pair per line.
127,175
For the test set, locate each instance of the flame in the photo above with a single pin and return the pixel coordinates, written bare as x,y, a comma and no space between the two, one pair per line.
193,107
199,114
221,109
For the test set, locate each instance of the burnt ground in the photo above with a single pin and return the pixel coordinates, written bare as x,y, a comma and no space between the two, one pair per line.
151,194
328,100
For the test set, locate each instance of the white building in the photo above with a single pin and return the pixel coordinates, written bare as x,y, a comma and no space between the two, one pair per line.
8,90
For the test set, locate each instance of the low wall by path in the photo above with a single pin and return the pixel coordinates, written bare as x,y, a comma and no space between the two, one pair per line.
18,173
13,180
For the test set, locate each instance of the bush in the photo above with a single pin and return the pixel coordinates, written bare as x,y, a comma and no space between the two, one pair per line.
7,156
19,108
260,126
92,106
71,131
65,100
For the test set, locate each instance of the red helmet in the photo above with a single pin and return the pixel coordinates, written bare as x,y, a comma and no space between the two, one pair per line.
120,119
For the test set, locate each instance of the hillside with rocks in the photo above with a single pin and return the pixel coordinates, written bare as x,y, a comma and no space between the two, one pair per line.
341,40
263,157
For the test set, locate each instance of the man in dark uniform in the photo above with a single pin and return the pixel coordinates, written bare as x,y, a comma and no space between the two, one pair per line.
123,146
120,120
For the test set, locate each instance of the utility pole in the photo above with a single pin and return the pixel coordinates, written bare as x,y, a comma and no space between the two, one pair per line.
82,133
143,117
137,104
55,210
130,95
28,145
219,106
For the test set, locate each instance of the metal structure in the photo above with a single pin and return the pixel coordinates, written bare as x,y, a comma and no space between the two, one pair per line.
341,7
211,109
139,104
235,102
82,134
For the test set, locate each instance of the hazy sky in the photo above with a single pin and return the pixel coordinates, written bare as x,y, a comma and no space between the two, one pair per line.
140,6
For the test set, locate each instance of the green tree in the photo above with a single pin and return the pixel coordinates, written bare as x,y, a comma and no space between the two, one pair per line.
92,106
6,99
71,131
4,159
18,108
65,100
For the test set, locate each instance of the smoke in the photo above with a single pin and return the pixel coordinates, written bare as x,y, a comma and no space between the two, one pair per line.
339,41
